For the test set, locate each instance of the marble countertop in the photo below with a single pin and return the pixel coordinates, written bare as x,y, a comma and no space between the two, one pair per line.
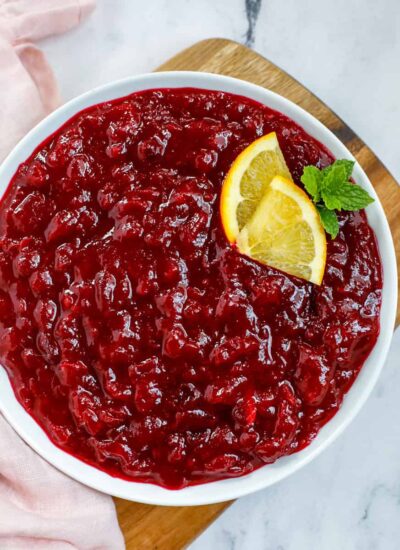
348,54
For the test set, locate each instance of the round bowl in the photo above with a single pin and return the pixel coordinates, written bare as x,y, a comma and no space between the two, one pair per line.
227,489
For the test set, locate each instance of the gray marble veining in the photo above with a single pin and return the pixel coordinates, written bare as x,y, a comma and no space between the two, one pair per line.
252,12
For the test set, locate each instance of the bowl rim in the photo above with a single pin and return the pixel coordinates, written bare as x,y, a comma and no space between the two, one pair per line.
227,489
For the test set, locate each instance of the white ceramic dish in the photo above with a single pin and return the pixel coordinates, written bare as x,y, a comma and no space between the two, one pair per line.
228,489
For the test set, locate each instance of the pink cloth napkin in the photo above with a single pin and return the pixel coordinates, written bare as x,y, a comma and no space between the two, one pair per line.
40,508
28,90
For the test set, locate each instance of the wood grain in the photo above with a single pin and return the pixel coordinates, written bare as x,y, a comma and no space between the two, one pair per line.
173,528
163,527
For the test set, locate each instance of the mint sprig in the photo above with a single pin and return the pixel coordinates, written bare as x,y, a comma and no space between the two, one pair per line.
332,191
329,220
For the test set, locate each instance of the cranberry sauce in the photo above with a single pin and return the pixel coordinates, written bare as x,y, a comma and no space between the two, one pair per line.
134,334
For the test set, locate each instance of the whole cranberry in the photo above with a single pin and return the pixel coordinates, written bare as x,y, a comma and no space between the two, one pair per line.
313,375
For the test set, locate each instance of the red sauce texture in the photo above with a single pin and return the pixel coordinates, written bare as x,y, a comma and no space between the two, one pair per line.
134,334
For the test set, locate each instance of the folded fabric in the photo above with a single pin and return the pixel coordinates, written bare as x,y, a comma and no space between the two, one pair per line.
40,508
28,88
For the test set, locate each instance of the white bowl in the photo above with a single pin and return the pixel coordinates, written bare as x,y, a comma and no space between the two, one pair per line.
227,489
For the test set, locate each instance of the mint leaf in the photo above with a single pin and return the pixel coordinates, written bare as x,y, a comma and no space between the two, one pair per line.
331,186
354,197
329,221
311,180
348,165
331,190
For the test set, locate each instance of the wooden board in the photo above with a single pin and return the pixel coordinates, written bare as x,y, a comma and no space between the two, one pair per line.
168,528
